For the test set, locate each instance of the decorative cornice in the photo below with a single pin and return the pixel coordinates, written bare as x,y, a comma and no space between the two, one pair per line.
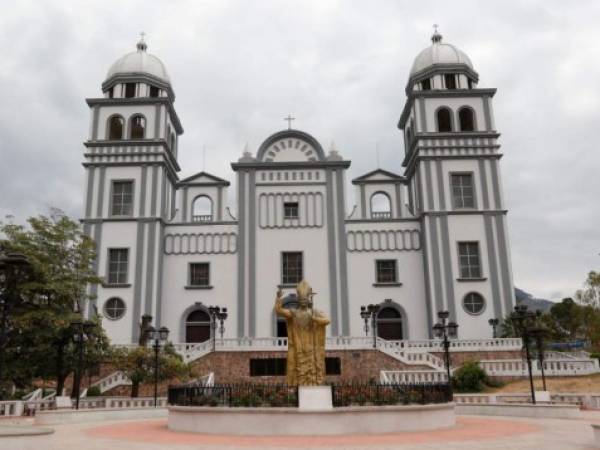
136,143
137,77
392,178
293,134
435,69
290,165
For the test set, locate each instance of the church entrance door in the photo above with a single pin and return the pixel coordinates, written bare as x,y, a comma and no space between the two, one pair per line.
197,327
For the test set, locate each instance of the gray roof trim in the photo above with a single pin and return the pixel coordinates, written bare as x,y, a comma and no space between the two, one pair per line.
290,165
440,93
375,221
158,219
441,68
172,174
140,101
364,179
137,77
410,166
134,143
297,134
216,180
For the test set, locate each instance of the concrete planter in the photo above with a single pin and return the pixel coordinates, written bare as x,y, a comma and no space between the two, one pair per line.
293,421
95,415
520,410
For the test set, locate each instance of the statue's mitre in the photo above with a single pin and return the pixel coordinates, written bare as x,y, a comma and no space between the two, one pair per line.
303,289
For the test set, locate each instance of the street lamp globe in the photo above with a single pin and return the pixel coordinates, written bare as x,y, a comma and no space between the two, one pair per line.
163,333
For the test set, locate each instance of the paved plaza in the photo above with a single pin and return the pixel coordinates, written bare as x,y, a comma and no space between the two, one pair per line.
471,432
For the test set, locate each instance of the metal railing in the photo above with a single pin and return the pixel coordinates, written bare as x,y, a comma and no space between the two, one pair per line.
361,394
234,395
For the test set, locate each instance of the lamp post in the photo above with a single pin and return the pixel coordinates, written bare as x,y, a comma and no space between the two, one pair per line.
524,321
82,331
159,337
13,267
370,312
220,314
445,330
494,324
538,334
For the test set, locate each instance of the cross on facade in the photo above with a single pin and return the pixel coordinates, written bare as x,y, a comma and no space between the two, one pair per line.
289,119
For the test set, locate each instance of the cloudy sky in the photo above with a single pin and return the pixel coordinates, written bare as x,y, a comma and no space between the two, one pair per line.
340,67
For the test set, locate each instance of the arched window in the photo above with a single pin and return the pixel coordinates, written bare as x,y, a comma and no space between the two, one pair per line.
202,209
389,324
466,119
381,206
138,127
115,127
197,326
444,119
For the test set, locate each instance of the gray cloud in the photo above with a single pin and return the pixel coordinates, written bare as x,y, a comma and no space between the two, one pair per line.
340,67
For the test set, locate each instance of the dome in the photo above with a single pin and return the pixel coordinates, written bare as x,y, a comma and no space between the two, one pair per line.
439,53
139,62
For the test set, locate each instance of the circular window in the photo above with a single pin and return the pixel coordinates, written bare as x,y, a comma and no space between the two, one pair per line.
114,308
474,303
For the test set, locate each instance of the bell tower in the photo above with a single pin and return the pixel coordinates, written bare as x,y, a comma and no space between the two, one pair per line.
451,160
131,170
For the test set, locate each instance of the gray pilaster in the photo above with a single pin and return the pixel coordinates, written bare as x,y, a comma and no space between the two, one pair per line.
342,246
95,123
241,253
101,181
157,114
398,200
137,283
94,287
426,278
423,115
445,232
492,266
143,191
172,204
161,253
496,184
486,113
440,182
149,293
252,253
220,203
363,202
153,191
429,187
163,194
484,184
184,205
504,264
435,263
90,192
333,291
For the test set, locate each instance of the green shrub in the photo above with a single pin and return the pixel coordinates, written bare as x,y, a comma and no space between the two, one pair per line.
94,391
493,383
469,378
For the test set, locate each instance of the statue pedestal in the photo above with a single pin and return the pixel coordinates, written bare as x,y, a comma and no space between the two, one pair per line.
314,398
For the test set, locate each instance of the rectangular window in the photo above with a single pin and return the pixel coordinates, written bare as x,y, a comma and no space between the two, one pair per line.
154,91
117,265
462,190
199,274
290,210
129,90
450,80
122,198
468,259
426,85
291,267
386,271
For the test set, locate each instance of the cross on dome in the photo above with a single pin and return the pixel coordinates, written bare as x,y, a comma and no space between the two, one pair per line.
436,37
289,119
141,45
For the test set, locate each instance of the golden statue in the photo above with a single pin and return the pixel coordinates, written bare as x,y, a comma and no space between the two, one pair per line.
306,338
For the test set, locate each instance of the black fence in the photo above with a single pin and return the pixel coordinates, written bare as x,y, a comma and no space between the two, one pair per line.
362,394
235,395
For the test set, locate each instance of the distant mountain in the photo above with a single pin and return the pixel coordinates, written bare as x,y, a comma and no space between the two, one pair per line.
533,304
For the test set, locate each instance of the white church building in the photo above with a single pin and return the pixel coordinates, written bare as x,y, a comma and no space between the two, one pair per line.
432,237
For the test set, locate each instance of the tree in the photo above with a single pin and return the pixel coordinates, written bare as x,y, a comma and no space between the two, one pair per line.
39,338
565,320
138,365
590,294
